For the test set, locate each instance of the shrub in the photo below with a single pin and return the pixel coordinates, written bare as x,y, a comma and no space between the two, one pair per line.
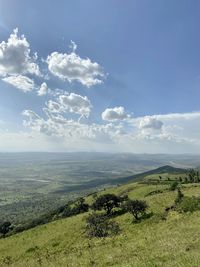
136,208
98,225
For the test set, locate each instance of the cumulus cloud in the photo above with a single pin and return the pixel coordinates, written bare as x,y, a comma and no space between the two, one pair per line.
114,114
72,67
76,104
43,90
174,135
150,123
21,82
53,107
57,126
72,103
16,58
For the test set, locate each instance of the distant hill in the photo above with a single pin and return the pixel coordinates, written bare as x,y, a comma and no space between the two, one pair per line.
121,180
164,169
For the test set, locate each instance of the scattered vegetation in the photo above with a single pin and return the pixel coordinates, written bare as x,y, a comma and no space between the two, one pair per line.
108,238
189,204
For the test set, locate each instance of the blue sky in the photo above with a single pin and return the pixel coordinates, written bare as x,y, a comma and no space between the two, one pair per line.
135,88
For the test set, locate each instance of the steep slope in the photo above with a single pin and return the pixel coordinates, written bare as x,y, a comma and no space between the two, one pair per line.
157,241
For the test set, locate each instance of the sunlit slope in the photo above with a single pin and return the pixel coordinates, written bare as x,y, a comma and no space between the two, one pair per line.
157,241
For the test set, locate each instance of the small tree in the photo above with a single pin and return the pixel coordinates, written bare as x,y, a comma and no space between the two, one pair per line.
173,185
107,202
136,207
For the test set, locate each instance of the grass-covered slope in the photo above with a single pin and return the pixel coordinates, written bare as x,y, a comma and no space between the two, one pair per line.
165,241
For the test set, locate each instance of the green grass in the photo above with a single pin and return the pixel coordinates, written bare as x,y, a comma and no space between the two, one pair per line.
154,242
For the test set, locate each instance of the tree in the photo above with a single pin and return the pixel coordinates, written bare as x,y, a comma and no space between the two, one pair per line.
106,202
136,207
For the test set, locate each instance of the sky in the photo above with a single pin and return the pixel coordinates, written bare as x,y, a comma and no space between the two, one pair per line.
107,76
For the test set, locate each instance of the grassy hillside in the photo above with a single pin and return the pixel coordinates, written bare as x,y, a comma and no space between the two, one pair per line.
168,241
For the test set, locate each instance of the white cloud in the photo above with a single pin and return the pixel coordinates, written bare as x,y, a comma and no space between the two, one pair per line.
69,130
150,123
53,107
43,90
76,104
114,114
21,82
179,116
72,103
175,136
15,56
72,67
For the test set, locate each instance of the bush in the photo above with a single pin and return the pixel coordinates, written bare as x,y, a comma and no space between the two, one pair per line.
189,204
98,225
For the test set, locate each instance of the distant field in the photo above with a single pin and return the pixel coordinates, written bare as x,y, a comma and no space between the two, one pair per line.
34,183
171,242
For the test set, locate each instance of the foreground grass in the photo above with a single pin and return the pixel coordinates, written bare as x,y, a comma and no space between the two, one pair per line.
155,242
